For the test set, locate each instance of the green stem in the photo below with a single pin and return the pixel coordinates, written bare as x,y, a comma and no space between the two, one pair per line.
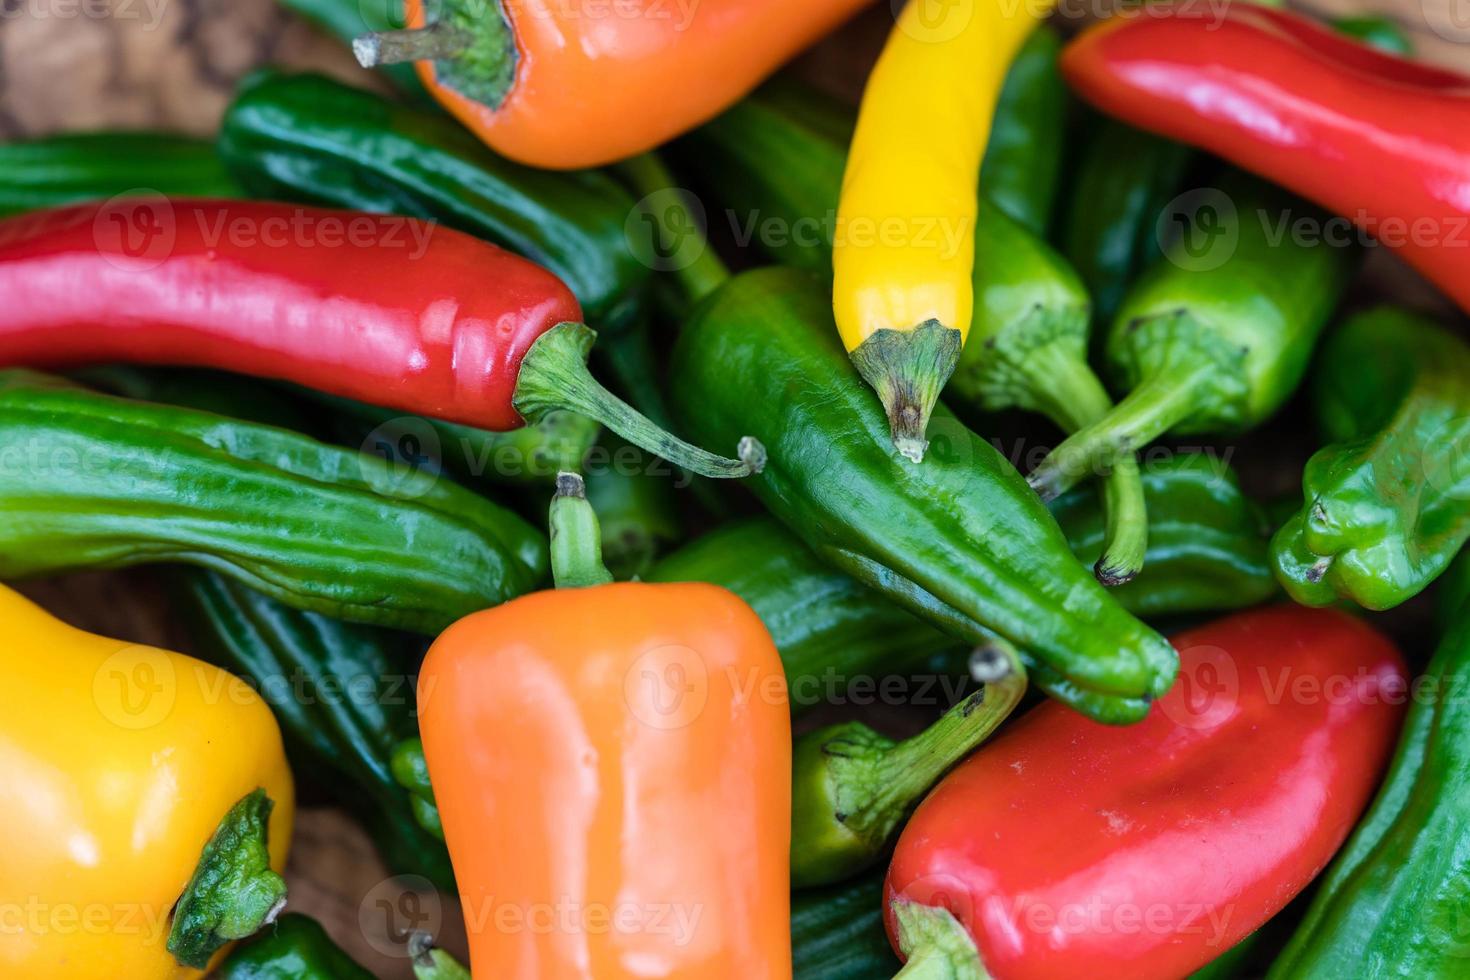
1064,387
935,945
471,45
234,891
1161,401
908,369
554,375
576,539
701,272
441,40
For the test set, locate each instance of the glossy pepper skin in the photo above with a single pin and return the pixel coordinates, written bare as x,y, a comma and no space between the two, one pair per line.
1217,809
294,947
779,155
1023,156
343,694
558,87
1392,904
71,167
396,311
1217,334
902,300
1386,506
318,527
102,738
312,139
958,539
1377,138
621,750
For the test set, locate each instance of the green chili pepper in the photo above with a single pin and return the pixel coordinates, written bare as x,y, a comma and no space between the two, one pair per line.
93,481
1377,32
1023,157
57,170
837,932
1387,505
1216,335
1121,184
295,947
852,787
344,695
219,392
1393,903
777,161
309,138
958,540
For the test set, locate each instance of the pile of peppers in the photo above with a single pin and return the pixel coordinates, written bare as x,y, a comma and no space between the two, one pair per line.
698,527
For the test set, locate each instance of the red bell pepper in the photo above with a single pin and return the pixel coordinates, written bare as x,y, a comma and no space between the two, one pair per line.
1066,848
1379,139
383,309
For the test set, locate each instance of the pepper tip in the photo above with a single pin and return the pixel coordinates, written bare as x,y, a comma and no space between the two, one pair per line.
752,453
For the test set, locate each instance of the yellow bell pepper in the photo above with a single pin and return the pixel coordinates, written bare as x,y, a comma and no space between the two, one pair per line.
903,252
120,762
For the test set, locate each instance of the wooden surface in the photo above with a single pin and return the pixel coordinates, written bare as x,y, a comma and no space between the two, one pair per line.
172,64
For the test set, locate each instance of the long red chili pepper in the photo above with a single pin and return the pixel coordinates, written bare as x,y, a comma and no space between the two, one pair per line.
1066,848
1374,137
388,310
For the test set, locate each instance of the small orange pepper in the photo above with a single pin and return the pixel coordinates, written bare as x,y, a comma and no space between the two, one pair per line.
560,84
612,764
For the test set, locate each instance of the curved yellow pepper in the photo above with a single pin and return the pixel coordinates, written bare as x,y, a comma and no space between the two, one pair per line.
119,763
904,246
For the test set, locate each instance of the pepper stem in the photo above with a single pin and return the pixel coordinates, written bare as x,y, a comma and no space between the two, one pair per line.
852,787
554,375
1157,404
576,539
935,945
234,891
908,369
441,40
471,46
431,963
678,240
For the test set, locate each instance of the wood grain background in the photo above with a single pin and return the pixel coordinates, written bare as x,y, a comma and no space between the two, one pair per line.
172,64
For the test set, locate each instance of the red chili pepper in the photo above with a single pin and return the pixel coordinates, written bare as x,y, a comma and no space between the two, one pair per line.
383,309
1066,848
1379,139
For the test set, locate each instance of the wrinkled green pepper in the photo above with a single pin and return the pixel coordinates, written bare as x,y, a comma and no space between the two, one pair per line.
837,932
56,170
959,540
343,694
294,947
1024,156
1387,505
312,139
1393,903
1217,334
93,481
776,160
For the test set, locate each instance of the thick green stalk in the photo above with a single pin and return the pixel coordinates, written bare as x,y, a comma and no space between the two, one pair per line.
576,540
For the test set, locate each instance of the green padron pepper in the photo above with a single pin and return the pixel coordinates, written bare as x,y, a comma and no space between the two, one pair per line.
56,170
776,160
959,539
343,694
294,947
1394,902
1387,505
1024,156
837,932
312,139
92,481
1217,334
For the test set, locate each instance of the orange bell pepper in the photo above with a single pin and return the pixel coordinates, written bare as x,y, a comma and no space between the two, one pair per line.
612,765
561,84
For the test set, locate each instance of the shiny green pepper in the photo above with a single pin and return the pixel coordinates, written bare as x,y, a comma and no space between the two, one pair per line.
1387,505
93,481
294,947
1393,903
958,539
1024,156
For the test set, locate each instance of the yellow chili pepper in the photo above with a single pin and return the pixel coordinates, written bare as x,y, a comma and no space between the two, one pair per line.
121,762
905,244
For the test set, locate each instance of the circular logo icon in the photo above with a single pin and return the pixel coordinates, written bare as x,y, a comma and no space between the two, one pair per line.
941,890
136,687
381,15
950,441
1448,19
1198,230
1207,692
667,687
402,456
666,230
395,910
136,229
935,21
